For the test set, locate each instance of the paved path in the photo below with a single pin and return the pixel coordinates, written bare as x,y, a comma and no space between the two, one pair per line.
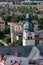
5,44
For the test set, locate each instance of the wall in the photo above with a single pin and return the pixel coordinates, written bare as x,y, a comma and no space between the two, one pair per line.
28,42
18,59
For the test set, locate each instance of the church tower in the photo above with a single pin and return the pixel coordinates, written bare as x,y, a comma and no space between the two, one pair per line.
28,32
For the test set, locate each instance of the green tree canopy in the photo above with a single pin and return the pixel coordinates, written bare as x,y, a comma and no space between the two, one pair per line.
7,39
17,43
7,29
40,24
18,18
6,18
35,17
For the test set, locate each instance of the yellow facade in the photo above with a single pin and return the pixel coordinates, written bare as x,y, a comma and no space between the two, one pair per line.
18,28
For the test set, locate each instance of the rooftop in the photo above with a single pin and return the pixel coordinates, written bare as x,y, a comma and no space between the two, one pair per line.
24,51
28,27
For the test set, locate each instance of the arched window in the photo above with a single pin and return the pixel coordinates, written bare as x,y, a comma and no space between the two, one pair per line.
31,37
28,37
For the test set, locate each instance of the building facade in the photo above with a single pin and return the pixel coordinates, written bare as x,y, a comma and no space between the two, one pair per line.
28,32
15,31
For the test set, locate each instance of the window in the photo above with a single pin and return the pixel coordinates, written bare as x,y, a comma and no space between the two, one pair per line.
31,37
20,61
11,61
28,37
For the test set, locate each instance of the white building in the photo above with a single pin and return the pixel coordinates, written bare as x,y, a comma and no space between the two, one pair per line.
20,60
15,31
28,32
1,63
41,37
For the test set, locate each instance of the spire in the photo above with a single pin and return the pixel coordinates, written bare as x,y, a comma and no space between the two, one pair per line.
28,26
28,17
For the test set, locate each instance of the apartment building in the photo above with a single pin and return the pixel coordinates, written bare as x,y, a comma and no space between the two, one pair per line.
15,31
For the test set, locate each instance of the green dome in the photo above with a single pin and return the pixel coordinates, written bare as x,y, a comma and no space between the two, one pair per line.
28,27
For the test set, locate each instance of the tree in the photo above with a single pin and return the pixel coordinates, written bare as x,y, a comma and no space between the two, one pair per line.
7,39
2,12
35,16
18,18
7,29
1,44
1,34
37,42
40,24
6,18
17,43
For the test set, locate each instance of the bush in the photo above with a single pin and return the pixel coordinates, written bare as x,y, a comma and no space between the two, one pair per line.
17,43
7,29
7,39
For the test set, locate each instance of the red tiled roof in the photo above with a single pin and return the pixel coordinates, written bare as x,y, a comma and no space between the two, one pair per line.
15,63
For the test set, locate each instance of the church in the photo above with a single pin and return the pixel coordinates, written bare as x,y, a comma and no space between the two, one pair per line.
28,31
